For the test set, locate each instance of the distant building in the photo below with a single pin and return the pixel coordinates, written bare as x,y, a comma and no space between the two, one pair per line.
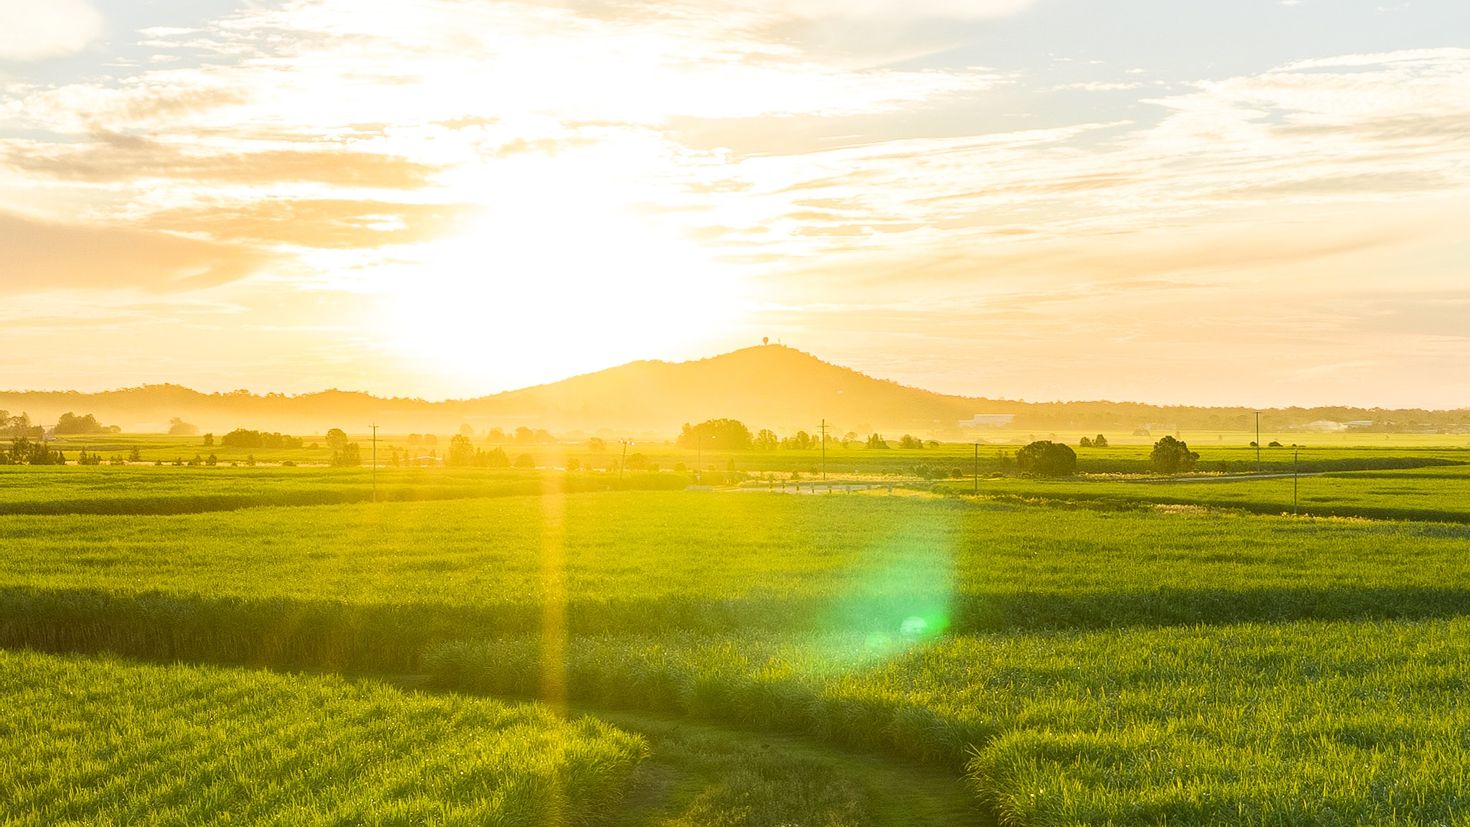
1325,426
988,421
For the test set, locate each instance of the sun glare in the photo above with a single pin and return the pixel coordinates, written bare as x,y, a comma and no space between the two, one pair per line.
540,291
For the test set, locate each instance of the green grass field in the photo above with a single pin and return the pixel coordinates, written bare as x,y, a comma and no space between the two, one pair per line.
1422,494
107,742
1088,651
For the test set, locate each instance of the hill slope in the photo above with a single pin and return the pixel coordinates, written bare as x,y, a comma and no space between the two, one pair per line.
766,387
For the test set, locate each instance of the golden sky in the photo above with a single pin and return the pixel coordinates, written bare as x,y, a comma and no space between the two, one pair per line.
1255,202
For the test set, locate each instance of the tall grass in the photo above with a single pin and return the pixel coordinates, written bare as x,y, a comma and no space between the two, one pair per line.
106,742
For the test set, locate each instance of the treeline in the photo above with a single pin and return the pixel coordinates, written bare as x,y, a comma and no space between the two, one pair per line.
1131,416
69,424
734,435
26,451
243,438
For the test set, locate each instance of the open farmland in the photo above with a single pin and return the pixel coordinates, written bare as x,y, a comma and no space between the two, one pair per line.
1075,665
1423,494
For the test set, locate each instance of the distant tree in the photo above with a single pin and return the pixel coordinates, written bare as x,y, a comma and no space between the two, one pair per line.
1085,442
910,441
573,464
597,444
1171,456
461,452
349,455
211,460
71,424
799,441
496,435
466,429
721,434
25,451
1274,444
877,441
336,439
242,438
1099,441
637,462
135,455
178,427
1045,458
525,461
209,440
766,440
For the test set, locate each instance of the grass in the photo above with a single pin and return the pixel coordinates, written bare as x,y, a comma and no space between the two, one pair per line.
1421,494
370,587
155,491
1220,451
107,742
1327,723
1083,665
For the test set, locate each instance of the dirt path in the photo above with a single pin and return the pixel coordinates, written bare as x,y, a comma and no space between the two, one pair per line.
701,774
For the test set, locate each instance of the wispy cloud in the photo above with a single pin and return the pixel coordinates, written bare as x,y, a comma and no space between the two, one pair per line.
34,31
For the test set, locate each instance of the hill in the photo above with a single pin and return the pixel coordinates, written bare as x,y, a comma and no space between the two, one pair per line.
768,386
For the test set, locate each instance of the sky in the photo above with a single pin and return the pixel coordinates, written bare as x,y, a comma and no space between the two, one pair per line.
1256,202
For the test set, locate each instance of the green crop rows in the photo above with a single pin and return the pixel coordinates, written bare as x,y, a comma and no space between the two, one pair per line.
106,742
1127,661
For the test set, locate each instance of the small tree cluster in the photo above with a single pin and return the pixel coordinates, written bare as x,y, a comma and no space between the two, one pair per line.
463,454
723,434
1098,441
72,425
25,451
877,441
1171,456
178,427
242,438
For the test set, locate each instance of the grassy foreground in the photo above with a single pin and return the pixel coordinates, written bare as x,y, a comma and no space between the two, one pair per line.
106,742
1309,722
1083,666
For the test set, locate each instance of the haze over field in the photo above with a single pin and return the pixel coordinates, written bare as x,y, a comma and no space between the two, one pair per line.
1254,203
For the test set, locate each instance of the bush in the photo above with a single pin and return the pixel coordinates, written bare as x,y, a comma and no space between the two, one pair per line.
1047,459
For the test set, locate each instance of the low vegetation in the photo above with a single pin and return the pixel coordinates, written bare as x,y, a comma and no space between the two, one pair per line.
107,742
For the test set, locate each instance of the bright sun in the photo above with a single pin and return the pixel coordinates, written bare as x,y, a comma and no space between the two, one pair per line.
546,290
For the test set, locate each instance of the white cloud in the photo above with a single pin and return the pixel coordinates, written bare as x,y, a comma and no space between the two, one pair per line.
953,9
38,29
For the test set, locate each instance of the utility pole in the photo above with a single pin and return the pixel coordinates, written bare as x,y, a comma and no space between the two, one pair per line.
624,463
698,453
375,462
824,449
1295,475
977,469
1258,442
